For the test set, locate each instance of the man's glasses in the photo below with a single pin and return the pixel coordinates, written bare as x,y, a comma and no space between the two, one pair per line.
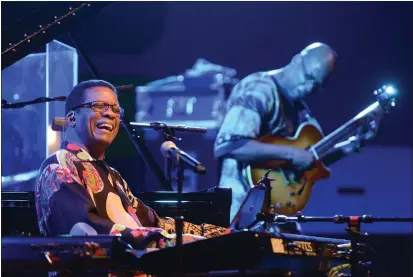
101,107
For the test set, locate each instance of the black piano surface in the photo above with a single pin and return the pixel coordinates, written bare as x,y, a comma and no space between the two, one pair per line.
248,253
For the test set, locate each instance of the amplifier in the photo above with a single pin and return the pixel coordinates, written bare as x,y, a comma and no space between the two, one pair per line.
197,97
196,107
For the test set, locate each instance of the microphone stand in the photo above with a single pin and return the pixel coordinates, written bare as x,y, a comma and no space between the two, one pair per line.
169,135
267,210
17,105
179,220
143,150
353,229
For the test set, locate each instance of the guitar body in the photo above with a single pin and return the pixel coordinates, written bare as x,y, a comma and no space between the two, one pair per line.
290,191
289,195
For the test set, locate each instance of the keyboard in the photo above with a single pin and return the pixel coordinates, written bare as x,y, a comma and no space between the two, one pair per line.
252,253
75,256
246,251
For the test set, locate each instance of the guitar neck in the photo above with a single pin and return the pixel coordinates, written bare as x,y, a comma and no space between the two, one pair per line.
344,132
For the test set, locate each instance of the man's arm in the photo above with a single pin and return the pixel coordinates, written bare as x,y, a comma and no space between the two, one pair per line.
237,140
65,207
149,217
253,150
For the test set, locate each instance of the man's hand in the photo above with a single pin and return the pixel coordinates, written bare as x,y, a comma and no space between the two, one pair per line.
365,132
302,158
187,238
349,146
371,127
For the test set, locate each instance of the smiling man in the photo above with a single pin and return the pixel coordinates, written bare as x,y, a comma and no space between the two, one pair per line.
78,193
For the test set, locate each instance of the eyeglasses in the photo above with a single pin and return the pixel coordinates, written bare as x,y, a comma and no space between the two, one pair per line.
101,107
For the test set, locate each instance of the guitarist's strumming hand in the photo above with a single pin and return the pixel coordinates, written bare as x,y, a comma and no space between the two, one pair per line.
302,158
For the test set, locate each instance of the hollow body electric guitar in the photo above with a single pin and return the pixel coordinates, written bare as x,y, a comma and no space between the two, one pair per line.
291,188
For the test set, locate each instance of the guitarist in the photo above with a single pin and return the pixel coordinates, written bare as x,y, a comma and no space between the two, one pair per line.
271,102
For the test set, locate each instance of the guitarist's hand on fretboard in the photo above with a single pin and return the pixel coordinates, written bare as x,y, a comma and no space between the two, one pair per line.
366,131
371,124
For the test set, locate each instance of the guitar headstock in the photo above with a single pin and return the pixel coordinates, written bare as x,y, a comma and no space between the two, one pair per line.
386,96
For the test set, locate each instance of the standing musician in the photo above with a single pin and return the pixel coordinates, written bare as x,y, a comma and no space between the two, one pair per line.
271,103
78,193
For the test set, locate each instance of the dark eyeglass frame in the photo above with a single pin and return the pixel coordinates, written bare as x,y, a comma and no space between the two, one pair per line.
105,107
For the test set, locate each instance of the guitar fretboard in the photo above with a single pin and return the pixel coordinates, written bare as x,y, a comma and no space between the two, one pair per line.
343,133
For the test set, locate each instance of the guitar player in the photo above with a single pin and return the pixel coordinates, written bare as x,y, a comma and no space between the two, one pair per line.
271,103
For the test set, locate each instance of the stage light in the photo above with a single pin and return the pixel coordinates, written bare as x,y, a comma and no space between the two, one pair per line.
390,89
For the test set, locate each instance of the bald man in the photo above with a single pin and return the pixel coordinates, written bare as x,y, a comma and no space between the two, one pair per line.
270,102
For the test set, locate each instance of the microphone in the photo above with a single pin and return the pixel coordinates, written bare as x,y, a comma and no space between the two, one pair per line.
171,151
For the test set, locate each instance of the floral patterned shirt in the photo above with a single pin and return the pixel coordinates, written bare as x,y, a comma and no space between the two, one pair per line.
79,195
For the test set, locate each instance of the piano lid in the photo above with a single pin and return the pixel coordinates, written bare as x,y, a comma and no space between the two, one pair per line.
28,26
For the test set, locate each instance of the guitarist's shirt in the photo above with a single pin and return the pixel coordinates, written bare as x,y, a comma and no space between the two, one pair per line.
79,195
255,108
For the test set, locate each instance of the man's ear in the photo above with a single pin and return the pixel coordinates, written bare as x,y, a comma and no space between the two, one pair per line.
71,119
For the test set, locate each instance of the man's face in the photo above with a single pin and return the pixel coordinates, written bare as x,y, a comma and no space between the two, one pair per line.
312,77
303,88
97,127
